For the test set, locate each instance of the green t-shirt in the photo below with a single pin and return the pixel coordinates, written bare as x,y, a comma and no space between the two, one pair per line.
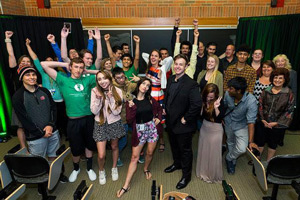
131,70
92,67
76,93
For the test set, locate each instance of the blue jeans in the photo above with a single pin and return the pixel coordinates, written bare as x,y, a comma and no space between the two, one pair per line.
123,140
45,146
237,142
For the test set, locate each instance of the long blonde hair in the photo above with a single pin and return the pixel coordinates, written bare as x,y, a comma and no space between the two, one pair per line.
287,61
212,79
118,100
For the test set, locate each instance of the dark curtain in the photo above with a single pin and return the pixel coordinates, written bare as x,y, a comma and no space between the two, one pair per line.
274,35
36,29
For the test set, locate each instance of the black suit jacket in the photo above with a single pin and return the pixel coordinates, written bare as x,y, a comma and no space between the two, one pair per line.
186,103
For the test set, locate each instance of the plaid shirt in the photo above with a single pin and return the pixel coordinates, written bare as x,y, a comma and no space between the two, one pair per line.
248,73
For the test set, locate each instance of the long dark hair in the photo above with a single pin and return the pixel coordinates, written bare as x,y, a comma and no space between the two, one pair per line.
148,93
209,88
149,63
118,100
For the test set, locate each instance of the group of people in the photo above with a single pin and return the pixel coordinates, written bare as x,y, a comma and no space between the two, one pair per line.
98,103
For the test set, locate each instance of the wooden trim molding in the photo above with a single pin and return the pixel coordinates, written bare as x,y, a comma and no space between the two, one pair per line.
156,22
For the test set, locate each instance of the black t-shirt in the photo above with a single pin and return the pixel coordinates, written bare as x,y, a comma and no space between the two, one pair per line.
216,119
143,111
203,83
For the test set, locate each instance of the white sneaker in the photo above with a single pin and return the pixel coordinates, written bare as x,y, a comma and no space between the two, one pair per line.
92,175
73,176
102,177
114,174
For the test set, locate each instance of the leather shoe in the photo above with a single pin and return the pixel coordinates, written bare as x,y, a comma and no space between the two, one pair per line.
183,183
171,169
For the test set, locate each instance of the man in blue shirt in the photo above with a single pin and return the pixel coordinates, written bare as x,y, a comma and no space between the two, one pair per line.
239,120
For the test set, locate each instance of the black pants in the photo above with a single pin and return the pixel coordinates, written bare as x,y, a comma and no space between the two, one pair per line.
181,146
62,119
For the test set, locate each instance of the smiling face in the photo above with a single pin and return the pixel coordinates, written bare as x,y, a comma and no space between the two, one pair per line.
179,66
280,62
257,55
118,55
211,63
210,97
76,70
120,78
144,86
278,81
201,48
73,54
211,49
88,59
103,81
185,49
126,49
267,70
126,61
29,78
155,58
108,65
164,54
229,51
25,62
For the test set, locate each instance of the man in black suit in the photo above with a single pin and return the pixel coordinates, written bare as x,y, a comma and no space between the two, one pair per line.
183,104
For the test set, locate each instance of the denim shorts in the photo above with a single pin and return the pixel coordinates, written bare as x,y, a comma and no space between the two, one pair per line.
45,146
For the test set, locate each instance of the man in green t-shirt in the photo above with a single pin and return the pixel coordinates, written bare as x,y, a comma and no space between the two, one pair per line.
76,91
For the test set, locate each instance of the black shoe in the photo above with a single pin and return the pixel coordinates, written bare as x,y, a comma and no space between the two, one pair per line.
183,183
171,169
230,167
63,179
280,143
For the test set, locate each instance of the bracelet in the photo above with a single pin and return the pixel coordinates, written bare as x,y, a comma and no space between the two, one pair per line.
7,40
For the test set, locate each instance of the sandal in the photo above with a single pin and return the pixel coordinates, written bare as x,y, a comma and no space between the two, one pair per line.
122,191
148,174
161,147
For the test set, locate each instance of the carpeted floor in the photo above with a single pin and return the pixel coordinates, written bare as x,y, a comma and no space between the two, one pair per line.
243,181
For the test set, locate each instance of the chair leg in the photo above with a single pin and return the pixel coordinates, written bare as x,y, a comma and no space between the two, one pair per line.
42,188
275,191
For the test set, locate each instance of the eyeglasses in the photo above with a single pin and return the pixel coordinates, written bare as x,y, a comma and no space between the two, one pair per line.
120,78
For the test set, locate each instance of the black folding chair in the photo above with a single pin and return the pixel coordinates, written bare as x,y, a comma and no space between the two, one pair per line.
282,170
30,169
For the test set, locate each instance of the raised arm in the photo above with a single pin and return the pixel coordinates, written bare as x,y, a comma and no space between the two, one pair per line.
173,39
90,41
64,50
109,49
137,52
55,47
49,65
30,51
178,34
195,23
97,37
190,71
11,56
